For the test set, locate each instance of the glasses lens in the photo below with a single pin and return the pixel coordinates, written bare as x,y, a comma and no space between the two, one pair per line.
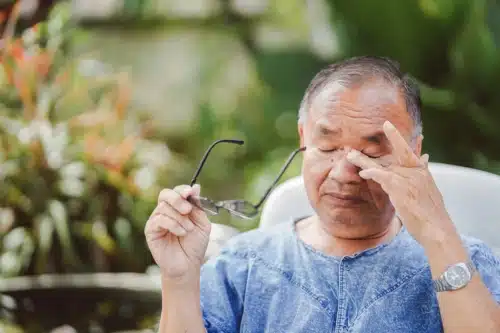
240,208
206,204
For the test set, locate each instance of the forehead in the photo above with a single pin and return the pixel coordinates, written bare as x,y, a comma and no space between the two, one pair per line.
360,109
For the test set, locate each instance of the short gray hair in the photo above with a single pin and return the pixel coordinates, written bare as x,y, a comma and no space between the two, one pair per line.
354,71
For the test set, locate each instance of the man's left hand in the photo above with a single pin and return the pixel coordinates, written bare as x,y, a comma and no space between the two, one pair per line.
410,186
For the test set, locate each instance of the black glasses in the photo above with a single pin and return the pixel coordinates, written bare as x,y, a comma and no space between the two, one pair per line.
239,208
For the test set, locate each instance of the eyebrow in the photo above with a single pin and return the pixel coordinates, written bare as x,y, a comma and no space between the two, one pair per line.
328,131
377,137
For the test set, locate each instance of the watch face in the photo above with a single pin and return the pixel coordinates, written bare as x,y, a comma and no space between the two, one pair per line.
457,276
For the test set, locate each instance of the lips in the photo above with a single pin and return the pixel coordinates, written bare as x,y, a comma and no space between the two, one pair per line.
345,199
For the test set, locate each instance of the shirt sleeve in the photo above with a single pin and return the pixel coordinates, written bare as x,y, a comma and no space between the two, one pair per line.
222,286
488,266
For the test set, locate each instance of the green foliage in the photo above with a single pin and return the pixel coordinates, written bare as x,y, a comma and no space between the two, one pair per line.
452,47
78,183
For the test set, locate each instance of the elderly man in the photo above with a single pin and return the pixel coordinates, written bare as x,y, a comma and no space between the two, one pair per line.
381,253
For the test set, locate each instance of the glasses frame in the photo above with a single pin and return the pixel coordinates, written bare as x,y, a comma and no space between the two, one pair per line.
213,208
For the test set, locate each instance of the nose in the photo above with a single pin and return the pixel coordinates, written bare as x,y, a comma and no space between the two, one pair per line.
343,171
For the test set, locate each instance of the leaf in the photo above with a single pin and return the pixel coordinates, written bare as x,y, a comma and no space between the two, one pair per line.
58,212
18,244
10,264
27,250
475,56
493,20
45,231
102,238
72,187
14,240
403,30
123,231
7,220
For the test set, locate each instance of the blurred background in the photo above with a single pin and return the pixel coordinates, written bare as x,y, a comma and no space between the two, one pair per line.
105,102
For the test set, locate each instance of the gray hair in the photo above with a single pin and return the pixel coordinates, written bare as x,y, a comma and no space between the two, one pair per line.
354,71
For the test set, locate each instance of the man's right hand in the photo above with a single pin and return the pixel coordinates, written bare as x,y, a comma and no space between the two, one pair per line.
177,234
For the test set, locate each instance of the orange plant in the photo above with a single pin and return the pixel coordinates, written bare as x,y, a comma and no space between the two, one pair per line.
72,159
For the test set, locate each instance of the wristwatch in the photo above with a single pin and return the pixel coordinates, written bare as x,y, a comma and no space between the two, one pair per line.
456,277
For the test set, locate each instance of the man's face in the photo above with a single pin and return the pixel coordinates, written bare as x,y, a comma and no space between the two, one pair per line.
340,119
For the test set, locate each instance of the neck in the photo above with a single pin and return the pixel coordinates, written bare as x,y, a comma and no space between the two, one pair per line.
312,232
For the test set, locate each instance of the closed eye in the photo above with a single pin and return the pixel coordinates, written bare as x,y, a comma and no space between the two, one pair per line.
371,155
327,150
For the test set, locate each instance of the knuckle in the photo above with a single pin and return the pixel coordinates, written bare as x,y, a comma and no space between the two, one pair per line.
171,198
181,188
150,223
177,202
168,223
164,194
176,228
184,221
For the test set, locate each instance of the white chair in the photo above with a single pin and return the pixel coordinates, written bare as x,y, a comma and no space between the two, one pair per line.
472,198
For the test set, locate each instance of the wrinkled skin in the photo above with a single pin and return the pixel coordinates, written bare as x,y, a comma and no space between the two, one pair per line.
177,234
340,120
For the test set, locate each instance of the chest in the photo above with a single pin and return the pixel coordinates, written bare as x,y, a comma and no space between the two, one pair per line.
337,301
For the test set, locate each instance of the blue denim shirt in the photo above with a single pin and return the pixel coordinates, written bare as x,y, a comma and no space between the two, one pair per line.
271,281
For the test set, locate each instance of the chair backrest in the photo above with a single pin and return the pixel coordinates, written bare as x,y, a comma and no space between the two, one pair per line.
472,198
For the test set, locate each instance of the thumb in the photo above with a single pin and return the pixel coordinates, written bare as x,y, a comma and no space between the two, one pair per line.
424,159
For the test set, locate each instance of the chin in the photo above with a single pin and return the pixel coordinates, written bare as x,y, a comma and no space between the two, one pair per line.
351,223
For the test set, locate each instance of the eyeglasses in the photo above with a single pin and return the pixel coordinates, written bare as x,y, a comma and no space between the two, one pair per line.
239,208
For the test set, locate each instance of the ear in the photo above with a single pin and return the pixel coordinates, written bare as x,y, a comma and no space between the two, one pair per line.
418,145
301,133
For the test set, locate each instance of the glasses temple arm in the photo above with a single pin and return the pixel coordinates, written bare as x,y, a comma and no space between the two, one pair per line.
207,152
282,171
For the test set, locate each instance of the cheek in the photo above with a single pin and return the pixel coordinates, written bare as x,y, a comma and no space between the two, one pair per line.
314,173
380,198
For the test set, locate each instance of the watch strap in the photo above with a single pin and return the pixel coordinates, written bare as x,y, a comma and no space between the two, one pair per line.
472,268
441,285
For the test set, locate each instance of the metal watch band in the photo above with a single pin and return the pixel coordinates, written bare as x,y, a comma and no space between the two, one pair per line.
441,285
470,265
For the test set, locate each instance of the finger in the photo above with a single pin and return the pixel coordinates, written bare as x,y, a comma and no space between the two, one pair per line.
185,191
200,219
424,159
165,209
165,223
195,193
176,200
361,160
401,149
383,177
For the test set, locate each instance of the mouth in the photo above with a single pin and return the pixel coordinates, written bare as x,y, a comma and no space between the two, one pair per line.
344,200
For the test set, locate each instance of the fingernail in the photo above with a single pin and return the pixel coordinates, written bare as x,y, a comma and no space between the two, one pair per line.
353,153
186,193
388,124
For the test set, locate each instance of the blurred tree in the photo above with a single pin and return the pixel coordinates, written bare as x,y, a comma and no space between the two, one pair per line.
9,7
452,48
78,172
